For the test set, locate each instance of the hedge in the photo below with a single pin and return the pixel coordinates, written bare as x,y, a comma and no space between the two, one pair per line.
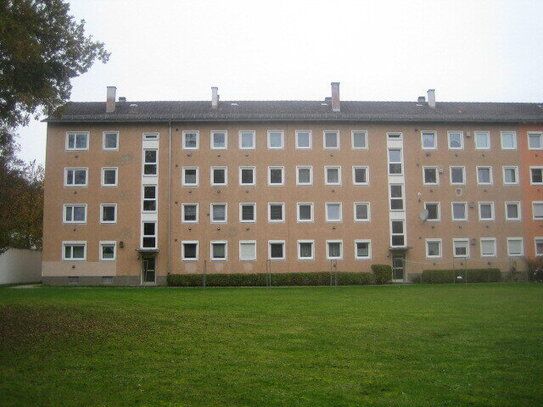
490,275
382,273
277,279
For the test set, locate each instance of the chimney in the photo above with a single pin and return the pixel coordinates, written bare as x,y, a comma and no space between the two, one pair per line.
432,98
110,100
335,97
214,97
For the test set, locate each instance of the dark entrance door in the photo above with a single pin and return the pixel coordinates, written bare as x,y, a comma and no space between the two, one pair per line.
148,270
398,267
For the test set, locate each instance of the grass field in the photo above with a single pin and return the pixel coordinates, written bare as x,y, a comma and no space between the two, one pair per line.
422,345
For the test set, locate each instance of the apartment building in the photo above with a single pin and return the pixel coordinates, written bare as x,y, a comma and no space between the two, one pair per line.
137,190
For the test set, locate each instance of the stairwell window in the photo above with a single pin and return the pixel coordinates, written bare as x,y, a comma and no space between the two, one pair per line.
395,161
149,198
150,162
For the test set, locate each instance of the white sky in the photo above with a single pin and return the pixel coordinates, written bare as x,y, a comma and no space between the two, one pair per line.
474,50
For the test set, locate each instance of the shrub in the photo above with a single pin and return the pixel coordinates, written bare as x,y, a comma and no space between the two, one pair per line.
382,273
490,275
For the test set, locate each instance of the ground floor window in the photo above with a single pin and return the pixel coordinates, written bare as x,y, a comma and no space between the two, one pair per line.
74,250
276,250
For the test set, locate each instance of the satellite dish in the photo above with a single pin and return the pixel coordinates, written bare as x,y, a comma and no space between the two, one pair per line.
423,215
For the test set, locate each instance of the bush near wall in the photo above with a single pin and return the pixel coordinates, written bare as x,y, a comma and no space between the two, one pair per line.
277,279
382,273
490,275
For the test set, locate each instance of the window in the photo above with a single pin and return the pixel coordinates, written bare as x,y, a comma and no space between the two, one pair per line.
482,140
458,175
486,210
219,250
429,140
247,175
331,139
396,197
247,250
305,249
394,136
75,213
150,162
512,210
430,175
75,177
276,139
149,235
509,140
149,198
488,247
150,136
218,213
538,241
361,211
305,211
333,212
108,213
362,249
107,251
247,212
276,212
360,176
109,177
219,140
510,175
219,176
536,175
332,175
334,249
303,139
190,176
537,210
397,235
110,140
456,140
461,247
433,248
395,161
191,139
77,141
515,246
484,175
247,140
189,213
434,214
276,250
275,175
359,139
459,211
74,250
304,175
189,250
535,140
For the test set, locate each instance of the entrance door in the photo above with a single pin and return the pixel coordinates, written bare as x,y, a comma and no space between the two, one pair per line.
398,267
148,270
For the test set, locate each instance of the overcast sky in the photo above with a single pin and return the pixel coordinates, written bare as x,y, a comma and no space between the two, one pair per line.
475,50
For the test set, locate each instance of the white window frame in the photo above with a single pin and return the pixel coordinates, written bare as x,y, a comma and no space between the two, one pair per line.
108,222
298,247
401,162
298,147
368,205
104,140
490,175
282,133
337,133
450,133
185,204
213,242
394,135
366,169
183,176
211,217
491,203
438,210
517,203
465,211
74,243
326,204
253,137
270,242
515,239
534,203
72,205
241,205
242,242
310,204
184,139
307,167
488,239
212,139
282,220
143,199
463,175
151,136
75,134
356,256
430,167
478,133
510,167
276,167
107,243
394,234
183,256
103,173
154,236
328,257
253,169
455,241
326,168
432,132
155,163
396,198
212,175
535,133
515,144
366,137
440,245
536,167
536,240
67,169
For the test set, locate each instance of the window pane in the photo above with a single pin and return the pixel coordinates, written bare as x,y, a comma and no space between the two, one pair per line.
428,140
512,211
362,249
305,212
459,211
219,250
80,177
398,240
432,211
334,249
433,248
276,250
219,213
191,140
276,212
110,177
333,211
306,250
332,175
190,176
535,141
360,175
275,139
78,213
538,210
304,175
108,213
78,251
361,212
397,227
247,212
455,140
510,175
149,229
509,140
219,140
457,175
219,176
331,139
81,141
487,247
190,212
247,251
482,140
537,175
247,139
190,250
108,251
430,175
484,175
110,140
276,176
247,176
303,139
150,156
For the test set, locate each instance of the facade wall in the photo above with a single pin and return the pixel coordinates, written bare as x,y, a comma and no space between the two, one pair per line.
20,266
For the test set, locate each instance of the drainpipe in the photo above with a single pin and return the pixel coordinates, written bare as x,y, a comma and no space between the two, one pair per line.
169,196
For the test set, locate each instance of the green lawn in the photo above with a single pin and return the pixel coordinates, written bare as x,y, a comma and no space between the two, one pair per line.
422,345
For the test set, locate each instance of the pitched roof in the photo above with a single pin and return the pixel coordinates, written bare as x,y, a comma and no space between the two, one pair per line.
299,111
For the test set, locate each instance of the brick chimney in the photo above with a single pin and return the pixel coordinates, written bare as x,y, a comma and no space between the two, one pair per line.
432,98
214,97
110,100
335,97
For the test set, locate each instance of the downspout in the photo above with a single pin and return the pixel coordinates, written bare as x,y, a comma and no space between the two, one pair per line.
169,196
